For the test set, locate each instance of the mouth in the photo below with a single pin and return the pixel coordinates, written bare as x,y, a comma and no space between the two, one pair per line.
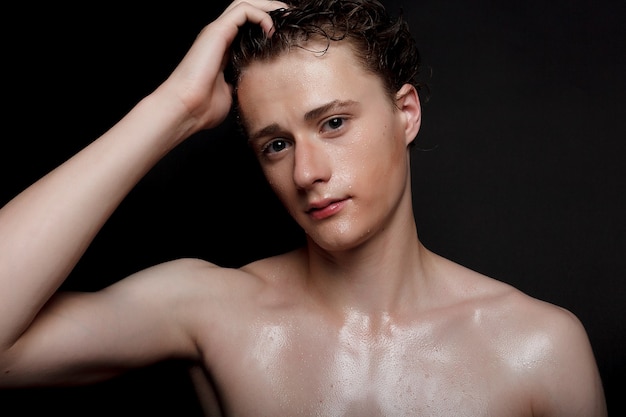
323,209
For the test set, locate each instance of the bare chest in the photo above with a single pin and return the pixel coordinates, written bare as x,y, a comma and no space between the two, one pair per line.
280,370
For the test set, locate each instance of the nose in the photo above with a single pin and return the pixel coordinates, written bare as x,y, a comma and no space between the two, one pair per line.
312,164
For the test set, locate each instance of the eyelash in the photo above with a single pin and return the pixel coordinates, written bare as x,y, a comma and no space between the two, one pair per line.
335,119
265,149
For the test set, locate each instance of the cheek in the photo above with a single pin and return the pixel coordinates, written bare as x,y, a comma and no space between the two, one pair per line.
378,159
281,183
273,179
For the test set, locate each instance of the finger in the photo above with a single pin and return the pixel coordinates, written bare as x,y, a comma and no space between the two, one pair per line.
253,11
266,5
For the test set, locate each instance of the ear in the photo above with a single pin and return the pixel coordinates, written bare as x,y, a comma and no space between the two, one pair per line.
408,103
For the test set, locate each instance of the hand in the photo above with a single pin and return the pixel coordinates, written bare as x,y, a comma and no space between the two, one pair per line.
198,80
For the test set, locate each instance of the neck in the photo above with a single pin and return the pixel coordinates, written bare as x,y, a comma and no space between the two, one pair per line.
382,276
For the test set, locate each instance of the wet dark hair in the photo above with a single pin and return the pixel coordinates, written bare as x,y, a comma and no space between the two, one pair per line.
381,42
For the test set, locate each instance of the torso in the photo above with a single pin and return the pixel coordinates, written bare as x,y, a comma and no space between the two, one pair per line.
281,354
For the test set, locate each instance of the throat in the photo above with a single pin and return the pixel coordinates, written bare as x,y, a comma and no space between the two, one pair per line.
371,283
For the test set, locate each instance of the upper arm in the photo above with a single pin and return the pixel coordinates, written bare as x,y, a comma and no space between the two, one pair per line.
85,337
567,381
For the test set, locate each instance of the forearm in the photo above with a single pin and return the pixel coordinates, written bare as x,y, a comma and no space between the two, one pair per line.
45,229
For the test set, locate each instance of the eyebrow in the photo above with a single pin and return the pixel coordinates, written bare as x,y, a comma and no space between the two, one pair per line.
333,105
274,128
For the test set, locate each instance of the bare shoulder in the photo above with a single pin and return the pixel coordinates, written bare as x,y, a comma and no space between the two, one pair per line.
206,288
497,299
514,317
220,289
547,348
278,266
542,346
197,291
193,274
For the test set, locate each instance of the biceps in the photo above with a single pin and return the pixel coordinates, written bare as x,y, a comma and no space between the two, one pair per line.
88,337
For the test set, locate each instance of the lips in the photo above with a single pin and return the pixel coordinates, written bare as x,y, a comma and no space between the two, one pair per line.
325,208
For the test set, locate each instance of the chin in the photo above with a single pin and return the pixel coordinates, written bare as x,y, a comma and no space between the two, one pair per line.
338,242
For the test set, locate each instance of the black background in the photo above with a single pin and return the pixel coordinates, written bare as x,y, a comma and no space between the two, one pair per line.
519,171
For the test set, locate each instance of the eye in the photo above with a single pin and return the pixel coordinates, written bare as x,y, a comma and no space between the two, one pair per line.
275,146
333,123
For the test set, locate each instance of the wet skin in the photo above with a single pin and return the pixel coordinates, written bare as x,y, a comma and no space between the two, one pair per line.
363,321
366,321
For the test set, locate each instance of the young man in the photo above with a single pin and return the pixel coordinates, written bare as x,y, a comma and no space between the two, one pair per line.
363,320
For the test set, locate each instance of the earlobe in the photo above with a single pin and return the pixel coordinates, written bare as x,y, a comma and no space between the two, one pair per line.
408,102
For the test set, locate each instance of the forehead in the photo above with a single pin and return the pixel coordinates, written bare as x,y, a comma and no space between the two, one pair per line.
303,78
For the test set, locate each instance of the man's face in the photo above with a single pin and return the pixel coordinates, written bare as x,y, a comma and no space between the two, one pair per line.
329,140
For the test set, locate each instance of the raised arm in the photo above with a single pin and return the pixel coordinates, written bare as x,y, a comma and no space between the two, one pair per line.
46,228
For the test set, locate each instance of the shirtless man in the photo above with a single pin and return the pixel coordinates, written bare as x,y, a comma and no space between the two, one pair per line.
361,321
